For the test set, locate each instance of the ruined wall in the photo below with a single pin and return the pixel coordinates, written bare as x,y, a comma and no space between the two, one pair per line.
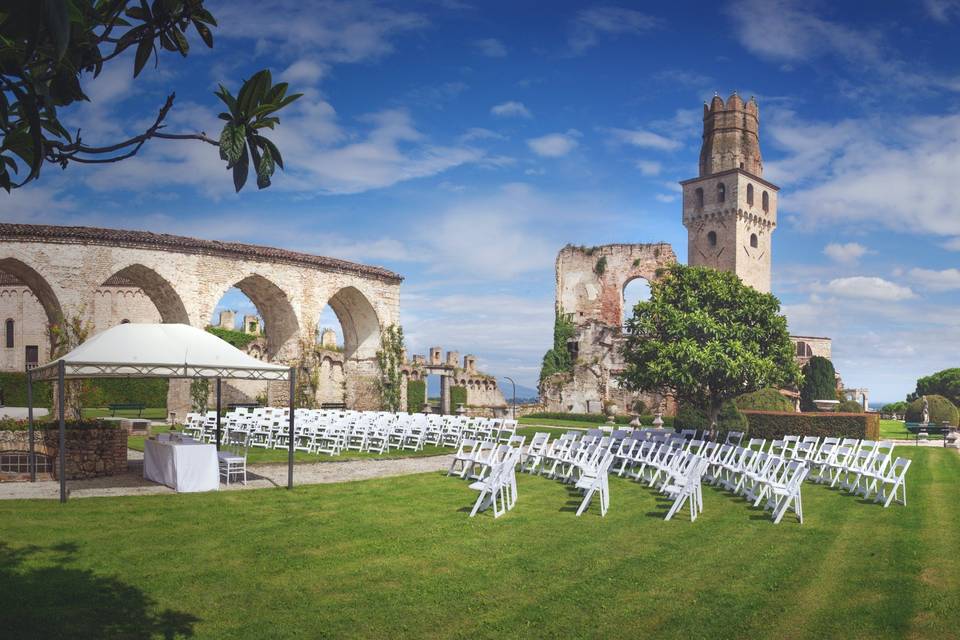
590,280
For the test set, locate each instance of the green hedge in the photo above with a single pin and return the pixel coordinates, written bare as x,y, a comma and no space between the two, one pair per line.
416,395
768,399
152,392
730,419
9,424
14,386
458,396
596,418
775,424
941,410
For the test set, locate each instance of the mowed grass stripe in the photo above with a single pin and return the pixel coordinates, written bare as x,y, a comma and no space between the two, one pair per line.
398,557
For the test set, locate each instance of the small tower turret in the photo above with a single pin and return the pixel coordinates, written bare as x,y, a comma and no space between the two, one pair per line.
731,137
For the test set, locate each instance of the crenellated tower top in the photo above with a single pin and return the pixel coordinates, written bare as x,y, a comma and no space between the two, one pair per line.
731,136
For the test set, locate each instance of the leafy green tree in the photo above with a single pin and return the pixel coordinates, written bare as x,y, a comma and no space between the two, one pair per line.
944,383
850,406
389,361
48,46
768,399
706,337
558,358
819,383
898,407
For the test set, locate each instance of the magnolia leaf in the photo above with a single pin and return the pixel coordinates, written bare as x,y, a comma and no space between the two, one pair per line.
232,143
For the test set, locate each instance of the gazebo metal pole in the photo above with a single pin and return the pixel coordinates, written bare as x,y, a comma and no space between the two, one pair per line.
218,414
62,453
33,458
293,384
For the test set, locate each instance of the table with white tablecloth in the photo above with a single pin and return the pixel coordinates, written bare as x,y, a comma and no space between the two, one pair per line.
185,466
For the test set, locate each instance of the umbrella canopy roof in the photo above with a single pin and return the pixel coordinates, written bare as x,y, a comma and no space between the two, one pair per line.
159,351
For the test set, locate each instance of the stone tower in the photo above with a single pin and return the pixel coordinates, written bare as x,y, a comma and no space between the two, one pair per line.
730,211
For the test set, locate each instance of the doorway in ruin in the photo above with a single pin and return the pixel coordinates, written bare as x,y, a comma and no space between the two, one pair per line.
332,382
356,328
634,291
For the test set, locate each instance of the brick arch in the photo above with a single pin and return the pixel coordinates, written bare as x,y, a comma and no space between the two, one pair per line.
624,304
163,295
40,288
280,323
359,323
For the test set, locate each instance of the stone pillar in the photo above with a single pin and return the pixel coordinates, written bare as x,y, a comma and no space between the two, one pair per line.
445,394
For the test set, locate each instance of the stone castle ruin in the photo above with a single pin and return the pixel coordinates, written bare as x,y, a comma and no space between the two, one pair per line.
482,395
730,213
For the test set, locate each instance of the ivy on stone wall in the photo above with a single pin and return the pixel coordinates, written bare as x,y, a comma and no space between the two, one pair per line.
458,396
416,395
390,359
238,339
558,358
601,266
199,393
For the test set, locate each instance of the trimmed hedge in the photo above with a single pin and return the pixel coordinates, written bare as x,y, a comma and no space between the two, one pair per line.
458,396
850,406
776,424
941,410
10,424
152,392
416,395
14,386
730,419
596,418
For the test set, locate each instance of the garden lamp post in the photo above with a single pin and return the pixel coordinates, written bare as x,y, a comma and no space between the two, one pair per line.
514,410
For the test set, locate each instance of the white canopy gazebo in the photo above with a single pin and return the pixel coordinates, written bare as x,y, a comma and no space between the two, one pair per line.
153,351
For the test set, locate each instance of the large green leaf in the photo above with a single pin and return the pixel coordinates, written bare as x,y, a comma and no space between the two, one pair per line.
144,49
57,20
232,143
240,169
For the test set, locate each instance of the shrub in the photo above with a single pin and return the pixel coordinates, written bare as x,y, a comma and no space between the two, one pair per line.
14,386
768,399
558,359
238,339
640,407
771,424
941,410
730,419
850,406
895,407
416,395
458,396
819,383
10,424
596,418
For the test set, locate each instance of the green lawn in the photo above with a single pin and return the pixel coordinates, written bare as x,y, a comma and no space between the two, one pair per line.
150,413
399,558
896,430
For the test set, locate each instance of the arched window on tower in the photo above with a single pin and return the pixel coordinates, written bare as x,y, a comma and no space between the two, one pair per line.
712,238
721,192
766,201
750,194
9,329
753,240
699,198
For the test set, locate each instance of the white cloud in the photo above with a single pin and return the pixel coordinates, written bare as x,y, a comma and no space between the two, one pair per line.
867,288
790,31
899,173
490,47
554,145
479,133
848,253
590,24
942,10
945,280
665,197
643,139
304,71
333,31
511,109
649,167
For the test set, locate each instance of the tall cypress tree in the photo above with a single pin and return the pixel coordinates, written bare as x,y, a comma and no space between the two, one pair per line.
819,383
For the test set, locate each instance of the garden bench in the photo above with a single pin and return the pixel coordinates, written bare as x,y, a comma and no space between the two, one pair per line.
121,406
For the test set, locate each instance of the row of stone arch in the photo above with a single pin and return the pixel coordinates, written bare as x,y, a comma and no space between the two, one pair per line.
358,318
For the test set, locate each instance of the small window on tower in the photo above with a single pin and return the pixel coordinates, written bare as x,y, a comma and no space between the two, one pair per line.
699,198
712,238
753,240
9,328
750,194
766,201
721,192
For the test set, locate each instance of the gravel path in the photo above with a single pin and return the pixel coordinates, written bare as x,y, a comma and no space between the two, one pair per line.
260,476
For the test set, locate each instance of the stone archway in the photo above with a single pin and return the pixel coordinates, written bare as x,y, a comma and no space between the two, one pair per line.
359,322
634,289
279,319
40,288
164,297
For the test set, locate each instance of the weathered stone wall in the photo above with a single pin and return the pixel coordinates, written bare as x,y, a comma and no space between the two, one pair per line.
91,453
590,280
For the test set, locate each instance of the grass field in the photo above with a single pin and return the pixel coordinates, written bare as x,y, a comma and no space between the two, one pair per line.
150,413
400,558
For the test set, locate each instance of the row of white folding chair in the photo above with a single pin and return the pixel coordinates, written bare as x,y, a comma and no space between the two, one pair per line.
498,489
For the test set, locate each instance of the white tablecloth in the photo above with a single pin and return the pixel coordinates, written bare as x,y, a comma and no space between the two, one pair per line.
184,466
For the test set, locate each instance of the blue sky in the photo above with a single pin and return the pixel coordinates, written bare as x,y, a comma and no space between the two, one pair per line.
463,144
